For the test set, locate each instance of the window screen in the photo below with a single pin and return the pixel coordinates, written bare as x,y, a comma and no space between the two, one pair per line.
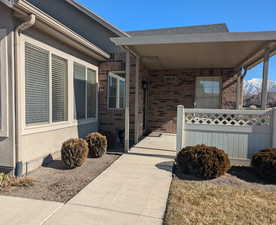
80,91
36,84
59,89
91,93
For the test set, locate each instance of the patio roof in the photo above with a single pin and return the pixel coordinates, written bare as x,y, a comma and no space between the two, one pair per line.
200,50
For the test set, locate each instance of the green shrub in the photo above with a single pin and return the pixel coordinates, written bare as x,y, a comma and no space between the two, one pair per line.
203,161
264,162
74,152
97,144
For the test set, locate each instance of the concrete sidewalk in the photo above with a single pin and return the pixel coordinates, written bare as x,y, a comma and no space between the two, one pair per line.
20,211
132,191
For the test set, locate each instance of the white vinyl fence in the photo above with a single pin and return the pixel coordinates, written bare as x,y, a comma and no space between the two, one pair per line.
240,133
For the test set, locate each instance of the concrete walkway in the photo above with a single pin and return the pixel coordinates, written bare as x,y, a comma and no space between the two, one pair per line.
19,211
133,191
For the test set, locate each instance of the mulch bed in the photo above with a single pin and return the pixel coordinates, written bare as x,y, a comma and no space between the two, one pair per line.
55,183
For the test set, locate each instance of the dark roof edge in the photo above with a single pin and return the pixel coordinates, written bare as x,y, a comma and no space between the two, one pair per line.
97,18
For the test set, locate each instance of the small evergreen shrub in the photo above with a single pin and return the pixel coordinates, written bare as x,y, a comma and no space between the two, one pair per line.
74,152
264,162
97,144
203,161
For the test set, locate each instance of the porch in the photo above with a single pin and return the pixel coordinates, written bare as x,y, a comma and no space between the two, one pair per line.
187,62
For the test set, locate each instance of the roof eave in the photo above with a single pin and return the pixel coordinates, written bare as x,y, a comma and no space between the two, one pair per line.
196,38
82,44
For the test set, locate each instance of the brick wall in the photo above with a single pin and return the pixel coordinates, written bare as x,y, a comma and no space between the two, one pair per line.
109,120
112,120
166,94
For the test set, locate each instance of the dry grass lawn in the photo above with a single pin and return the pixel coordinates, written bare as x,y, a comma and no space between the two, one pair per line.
201,203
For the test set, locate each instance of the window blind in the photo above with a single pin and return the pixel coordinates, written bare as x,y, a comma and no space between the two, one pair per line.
80,91
59,89
91,93
36,84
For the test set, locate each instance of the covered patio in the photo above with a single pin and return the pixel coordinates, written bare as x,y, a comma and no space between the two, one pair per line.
230,53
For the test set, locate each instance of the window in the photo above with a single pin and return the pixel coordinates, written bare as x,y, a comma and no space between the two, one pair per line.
36,84
3,85
208,92
116,90
44,83
59,88
91,93
85,92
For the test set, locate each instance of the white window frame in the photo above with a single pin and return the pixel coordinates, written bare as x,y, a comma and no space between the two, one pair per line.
71,121
114,74
219,79
97,92
4,101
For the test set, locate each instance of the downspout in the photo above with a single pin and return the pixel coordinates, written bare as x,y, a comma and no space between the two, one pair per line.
18,128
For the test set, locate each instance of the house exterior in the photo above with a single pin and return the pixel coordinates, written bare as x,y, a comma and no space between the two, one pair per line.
66,74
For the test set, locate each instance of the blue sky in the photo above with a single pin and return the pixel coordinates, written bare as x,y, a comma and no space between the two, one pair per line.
239,15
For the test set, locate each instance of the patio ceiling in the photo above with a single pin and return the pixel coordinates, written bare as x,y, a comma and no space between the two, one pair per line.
215,50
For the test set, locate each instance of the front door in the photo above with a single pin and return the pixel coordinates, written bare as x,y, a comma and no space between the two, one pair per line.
208,93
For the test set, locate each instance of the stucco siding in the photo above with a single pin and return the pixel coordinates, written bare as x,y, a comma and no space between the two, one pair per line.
7,143
78,22
37,146
37,143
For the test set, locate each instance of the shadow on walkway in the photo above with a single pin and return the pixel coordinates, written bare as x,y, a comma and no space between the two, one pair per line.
167,166
152,155
156,149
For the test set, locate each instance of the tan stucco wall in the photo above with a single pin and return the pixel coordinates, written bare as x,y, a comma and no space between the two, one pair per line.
6,144
37,146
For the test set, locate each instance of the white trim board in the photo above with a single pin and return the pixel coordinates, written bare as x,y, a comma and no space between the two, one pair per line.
114,74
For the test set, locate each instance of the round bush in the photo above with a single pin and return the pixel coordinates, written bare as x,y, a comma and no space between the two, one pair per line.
74,152
97,144
203,161
264,162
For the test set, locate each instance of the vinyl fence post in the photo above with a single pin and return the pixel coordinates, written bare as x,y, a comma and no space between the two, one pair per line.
180,127
273,127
